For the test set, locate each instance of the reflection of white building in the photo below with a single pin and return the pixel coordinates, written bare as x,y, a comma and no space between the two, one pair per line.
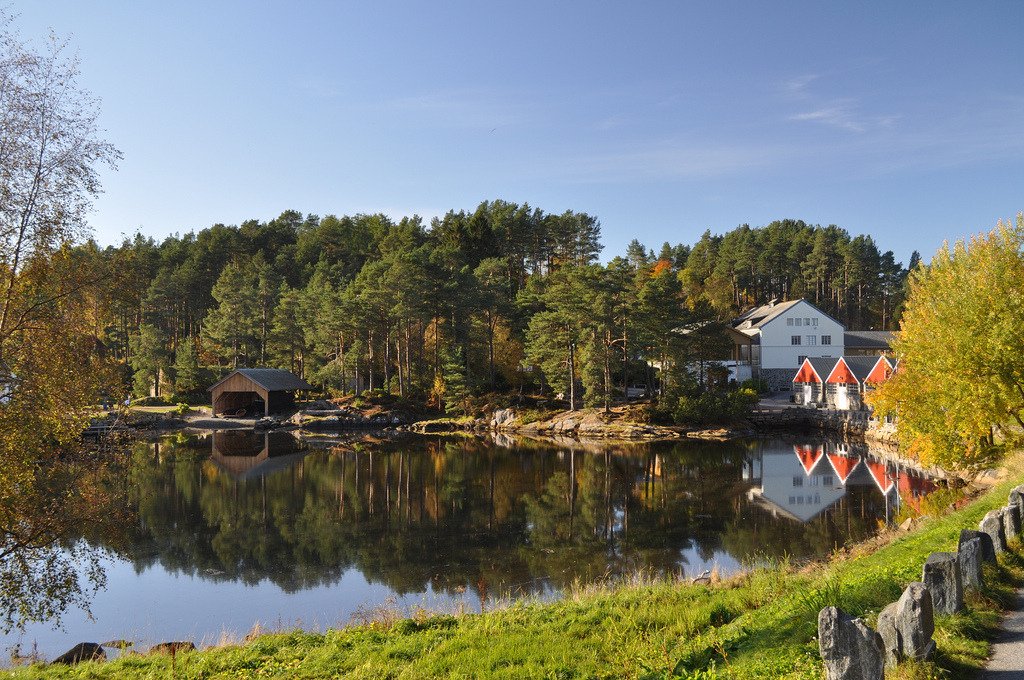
797,486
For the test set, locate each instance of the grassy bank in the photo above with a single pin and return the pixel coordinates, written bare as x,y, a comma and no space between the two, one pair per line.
761,625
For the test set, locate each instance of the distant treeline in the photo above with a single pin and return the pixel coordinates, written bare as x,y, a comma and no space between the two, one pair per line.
465,305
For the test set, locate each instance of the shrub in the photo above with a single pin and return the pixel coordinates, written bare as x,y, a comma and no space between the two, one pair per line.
714,408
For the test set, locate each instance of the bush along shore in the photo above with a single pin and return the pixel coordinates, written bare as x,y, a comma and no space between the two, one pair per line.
761,624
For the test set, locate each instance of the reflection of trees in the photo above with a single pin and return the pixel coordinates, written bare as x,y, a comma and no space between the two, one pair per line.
759,534
44,568
451,514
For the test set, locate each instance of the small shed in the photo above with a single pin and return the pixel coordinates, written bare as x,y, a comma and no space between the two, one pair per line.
809,381
252,390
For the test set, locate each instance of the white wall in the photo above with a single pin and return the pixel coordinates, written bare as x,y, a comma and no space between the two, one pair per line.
777,350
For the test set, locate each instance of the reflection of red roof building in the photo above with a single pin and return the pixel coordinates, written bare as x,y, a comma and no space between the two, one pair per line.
843,465
809,456
880,474
913,488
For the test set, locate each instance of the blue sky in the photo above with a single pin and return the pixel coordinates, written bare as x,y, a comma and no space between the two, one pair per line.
901,120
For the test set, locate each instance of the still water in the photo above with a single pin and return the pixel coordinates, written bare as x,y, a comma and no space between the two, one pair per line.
233,529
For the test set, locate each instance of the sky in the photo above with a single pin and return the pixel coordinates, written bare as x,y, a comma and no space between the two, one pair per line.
902,120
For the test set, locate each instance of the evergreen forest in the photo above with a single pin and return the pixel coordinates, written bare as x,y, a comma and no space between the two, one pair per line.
506,298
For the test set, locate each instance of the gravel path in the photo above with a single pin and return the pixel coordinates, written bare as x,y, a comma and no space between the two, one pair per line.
1008,649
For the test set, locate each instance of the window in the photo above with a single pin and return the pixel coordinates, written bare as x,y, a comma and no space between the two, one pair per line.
815,322
798,481
789,322
794,340
798,321
812,340
807,322
800,359
826,339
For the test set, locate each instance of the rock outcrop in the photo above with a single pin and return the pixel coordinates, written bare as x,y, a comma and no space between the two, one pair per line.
850,650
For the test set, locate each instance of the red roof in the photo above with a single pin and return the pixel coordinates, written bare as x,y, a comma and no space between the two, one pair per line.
880,373
809,456
880,474
806,374
843,465
842,375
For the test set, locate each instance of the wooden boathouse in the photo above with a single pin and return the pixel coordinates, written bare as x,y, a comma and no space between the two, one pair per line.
250,391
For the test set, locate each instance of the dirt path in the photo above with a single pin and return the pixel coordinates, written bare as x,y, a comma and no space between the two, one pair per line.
1007,659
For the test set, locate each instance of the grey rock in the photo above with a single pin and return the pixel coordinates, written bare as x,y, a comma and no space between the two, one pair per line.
915,622
83,651
969,555
850,650
941,574
988,551
992,524
502,417
890,635
1011,520
1017,497
172,648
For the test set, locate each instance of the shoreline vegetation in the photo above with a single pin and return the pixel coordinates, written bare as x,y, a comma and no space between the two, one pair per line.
756,625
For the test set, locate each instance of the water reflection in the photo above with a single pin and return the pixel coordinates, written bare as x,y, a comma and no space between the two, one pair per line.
466,519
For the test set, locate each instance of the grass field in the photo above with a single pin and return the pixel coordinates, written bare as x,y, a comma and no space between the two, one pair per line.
761,625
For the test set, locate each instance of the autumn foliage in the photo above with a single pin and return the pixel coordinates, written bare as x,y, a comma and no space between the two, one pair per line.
959,388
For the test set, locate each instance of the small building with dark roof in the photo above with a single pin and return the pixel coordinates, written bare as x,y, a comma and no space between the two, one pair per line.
867,343
809,382
252,391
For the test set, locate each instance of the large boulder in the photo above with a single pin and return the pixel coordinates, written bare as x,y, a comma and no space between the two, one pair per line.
969,556
890,635
988,550
83,651
992,524
502,418
850,650
907,625
915,621
1011,520
941,574
1017,496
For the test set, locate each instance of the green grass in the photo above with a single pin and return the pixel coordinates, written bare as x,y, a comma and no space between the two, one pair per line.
761,625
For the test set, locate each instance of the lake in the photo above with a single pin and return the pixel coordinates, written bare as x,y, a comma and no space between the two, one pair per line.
233,529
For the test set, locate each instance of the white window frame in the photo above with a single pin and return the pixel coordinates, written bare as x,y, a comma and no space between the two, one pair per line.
794,340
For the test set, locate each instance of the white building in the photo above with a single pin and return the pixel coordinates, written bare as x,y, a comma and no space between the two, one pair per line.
770,342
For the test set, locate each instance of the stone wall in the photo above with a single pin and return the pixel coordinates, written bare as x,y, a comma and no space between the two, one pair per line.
852,650
778,379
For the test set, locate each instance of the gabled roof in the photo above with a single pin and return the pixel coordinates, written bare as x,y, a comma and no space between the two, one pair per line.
759,316
881,370
860,366
880,340
809,456
270,379
843,465
822,366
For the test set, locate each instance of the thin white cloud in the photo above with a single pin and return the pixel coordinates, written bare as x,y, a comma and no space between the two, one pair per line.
797,87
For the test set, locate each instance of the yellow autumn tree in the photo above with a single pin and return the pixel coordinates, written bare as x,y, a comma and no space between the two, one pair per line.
959,388
50,376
